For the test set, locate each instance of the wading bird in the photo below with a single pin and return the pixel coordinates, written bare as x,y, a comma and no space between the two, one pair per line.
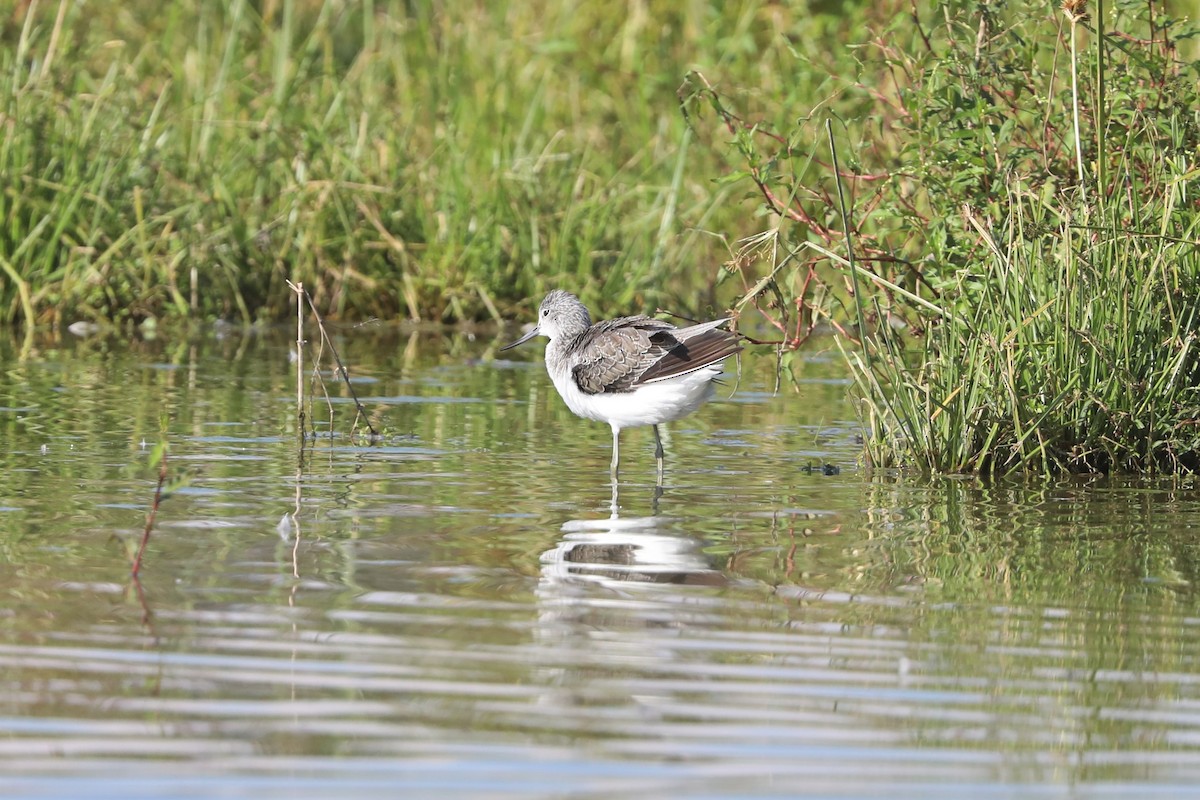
629,371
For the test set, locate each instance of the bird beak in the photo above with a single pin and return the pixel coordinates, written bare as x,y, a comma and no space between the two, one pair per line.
532,333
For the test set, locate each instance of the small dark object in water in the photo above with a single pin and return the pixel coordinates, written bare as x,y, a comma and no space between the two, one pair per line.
824,469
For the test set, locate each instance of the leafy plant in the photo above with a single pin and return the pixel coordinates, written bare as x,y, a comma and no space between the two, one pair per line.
1038,196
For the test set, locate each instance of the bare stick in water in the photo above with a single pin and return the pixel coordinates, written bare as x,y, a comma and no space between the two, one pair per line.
342,372
298,288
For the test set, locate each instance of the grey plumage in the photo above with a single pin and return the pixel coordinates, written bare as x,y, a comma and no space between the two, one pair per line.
622,354
629,371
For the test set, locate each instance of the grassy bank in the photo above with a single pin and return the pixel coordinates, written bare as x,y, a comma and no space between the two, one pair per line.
1026,231
419,160
1069,257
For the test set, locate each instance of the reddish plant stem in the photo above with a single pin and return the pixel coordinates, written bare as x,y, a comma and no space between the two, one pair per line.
162,478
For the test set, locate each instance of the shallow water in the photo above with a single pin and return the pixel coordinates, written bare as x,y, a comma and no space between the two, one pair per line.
457,611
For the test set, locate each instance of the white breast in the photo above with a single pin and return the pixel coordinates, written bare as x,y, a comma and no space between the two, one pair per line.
649,404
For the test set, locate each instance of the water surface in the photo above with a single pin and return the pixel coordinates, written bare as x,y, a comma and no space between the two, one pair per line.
456,610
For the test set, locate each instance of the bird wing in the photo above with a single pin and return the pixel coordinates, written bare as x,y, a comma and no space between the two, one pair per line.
689,349
618,355
613,353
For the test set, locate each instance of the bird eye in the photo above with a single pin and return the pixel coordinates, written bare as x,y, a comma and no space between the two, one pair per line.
545,312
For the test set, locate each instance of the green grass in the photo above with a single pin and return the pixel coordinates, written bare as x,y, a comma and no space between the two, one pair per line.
1081,354
410,159
1025,293
1071,288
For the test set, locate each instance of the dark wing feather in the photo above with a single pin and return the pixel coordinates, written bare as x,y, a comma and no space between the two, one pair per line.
621,354
615,352
689,349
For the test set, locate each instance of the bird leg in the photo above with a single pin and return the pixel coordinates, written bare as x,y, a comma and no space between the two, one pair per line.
616,440
658,453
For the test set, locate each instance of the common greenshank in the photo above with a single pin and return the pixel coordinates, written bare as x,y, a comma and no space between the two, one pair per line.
629,371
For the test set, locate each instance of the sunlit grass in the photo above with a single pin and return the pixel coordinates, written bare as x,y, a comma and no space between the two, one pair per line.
400,159
1024,293
1069,338
1080,354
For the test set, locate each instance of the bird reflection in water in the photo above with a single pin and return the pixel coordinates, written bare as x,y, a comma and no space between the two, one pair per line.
628,549
610,595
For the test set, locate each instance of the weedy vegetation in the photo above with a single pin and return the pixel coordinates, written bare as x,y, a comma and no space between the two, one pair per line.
1027,224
